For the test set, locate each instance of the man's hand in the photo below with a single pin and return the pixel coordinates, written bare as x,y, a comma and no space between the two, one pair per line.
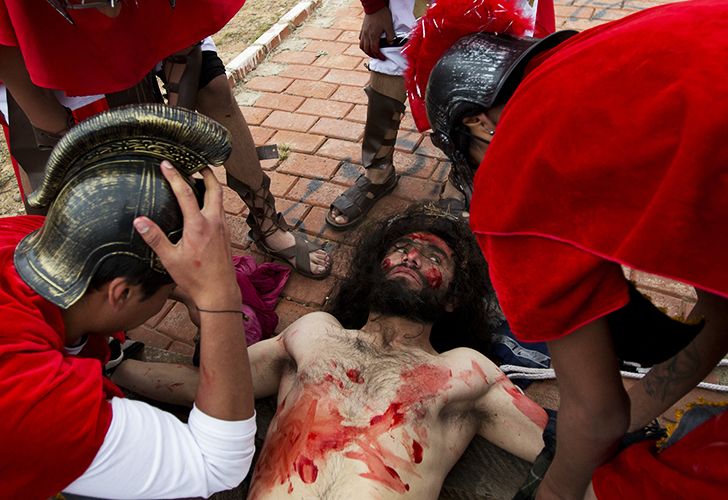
371,31
201,262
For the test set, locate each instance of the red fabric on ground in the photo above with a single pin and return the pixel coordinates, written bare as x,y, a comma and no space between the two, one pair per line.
260,286
694,467
99,54
54,408
614,144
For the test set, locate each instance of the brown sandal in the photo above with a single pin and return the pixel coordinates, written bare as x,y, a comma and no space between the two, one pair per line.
261,204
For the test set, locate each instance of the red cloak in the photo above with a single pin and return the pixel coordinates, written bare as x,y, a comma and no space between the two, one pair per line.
99,54
54,407
696,466
611,151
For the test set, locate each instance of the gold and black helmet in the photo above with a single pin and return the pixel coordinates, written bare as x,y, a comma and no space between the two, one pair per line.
102,175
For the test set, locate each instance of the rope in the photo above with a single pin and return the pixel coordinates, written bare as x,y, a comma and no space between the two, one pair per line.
523,372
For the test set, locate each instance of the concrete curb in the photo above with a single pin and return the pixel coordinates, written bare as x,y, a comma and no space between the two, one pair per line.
248,60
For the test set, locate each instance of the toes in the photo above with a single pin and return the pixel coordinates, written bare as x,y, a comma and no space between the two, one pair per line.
319,257
338,216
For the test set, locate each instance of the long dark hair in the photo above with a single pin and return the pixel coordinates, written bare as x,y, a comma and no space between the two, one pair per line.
470,291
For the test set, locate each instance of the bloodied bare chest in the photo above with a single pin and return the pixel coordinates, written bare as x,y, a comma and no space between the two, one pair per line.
356,413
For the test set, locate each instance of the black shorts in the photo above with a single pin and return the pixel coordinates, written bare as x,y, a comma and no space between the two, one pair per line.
211,67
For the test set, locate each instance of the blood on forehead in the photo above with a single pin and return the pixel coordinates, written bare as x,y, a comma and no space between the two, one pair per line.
432,240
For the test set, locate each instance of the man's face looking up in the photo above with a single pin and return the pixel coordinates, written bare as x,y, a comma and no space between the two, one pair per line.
421,261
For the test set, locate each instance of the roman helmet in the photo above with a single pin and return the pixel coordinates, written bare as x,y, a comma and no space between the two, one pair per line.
478,72
102,175
463,57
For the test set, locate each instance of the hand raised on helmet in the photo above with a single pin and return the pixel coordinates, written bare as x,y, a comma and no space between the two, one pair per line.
201,261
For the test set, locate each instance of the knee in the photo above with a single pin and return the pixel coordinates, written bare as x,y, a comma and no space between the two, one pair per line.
604,421
216,95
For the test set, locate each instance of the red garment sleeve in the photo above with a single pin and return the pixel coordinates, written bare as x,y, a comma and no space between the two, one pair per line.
54,408
372,6
548,289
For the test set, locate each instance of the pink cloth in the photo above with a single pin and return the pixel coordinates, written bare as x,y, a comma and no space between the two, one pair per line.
260,286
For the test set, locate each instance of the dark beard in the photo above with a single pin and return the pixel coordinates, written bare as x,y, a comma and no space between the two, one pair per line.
393,297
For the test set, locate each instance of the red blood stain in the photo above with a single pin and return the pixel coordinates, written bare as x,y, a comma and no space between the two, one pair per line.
416,451
421,383
333,364
479,370
307,470
530,409
434,278
386,264
332,380
354,376
432,239
392,417
305,432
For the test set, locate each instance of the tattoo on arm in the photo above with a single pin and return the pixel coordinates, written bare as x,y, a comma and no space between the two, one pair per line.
670,375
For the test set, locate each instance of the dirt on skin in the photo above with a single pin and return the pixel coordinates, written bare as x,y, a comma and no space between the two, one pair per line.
253,20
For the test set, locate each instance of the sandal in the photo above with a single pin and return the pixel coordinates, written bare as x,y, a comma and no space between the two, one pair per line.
355,202
263,211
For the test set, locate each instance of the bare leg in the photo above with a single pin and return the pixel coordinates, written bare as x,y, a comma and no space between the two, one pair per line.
386,92
217,101
593,413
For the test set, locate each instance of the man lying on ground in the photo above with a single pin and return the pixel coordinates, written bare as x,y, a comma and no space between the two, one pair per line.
82,273
370,402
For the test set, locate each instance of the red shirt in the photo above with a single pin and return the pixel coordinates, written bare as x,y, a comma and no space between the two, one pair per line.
54,407
99,54
611,151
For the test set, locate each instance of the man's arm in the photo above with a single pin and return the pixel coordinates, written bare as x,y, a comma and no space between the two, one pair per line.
40,105
377,22
667,382
201,264
515,423
177,384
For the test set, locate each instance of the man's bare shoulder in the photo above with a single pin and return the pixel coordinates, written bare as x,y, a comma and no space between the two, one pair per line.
314,319
469,361
310,325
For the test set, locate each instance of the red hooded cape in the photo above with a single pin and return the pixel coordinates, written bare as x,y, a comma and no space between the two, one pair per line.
611,151
54,407
101,55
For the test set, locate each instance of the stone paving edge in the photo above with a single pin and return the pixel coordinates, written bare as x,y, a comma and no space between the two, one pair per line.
248,60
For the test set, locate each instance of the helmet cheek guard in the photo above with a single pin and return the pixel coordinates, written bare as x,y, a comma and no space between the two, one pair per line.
103,174
461,170
479,71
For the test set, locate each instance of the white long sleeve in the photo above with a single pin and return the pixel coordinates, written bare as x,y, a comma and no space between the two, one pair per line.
148,453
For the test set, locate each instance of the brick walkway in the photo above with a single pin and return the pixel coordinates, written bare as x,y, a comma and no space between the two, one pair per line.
308,95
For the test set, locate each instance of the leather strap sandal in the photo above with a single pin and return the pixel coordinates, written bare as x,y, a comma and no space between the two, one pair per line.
355,202
264,221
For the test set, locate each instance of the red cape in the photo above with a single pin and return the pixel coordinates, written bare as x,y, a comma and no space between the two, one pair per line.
101,55
54,407
696,466
612,151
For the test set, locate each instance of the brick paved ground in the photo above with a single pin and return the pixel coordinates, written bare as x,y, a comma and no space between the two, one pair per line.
308,95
